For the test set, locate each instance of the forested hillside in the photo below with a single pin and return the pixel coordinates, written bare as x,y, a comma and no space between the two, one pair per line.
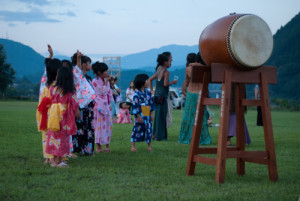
286,57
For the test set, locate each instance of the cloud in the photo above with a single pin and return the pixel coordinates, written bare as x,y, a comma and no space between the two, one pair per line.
11,25
101,12
34,15
69,13
36,2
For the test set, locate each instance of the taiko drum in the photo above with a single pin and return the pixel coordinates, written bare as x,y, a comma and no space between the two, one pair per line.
242,40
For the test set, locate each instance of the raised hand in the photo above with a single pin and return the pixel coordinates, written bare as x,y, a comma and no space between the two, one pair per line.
79,55
50,51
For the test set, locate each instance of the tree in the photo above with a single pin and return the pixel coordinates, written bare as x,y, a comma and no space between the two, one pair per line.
7,73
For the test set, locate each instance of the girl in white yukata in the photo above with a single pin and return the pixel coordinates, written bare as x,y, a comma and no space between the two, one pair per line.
102,109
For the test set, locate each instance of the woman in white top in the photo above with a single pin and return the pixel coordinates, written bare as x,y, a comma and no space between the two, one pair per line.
130,92
119,94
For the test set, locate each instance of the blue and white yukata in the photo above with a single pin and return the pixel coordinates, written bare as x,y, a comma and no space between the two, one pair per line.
142,131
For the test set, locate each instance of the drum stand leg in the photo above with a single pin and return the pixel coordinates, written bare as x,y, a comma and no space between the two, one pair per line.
203,93
268,129
240,126
223,129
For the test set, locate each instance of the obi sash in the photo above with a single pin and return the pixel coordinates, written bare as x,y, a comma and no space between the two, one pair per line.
55,116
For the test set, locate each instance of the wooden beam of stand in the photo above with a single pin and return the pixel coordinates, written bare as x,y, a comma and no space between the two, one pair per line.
206,160
197,124
212,150
263,161
198,71
268,129
248,102
246,154
240,76
223,129
212,101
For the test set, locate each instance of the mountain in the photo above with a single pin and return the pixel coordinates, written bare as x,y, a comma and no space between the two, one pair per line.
147,59
286,57
22,58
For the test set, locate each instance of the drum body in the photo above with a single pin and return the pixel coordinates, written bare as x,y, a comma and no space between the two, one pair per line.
241,40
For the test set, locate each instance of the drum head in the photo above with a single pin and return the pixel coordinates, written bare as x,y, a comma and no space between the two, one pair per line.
250,41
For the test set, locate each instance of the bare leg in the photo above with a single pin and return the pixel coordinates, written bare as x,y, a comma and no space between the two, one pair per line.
107,148
149,146
133,146
99,148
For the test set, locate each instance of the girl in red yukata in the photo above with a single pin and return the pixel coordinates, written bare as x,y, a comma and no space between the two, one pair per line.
61,119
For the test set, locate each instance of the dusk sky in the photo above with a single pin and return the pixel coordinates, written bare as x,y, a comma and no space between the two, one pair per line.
125,27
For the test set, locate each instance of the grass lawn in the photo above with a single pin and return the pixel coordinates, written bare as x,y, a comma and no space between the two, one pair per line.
156,175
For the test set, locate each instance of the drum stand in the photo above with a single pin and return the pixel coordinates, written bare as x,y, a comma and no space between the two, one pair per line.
225,74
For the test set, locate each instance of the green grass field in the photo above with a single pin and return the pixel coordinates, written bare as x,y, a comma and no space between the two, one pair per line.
156,175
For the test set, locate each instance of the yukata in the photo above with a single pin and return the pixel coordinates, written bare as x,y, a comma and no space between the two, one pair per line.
143,105
102,111
43,83
84,140
42,116
124,117
84,91
61,122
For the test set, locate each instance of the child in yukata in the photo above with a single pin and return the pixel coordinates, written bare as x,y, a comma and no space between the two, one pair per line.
142,109
124,116
102,109
61,120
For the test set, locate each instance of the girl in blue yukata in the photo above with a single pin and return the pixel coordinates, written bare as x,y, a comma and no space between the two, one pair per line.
142,109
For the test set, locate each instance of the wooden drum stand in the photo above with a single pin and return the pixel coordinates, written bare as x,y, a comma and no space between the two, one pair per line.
225,74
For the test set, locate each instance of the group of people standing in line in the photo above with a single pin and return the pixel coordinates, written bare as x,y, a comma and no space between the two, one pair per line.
76,113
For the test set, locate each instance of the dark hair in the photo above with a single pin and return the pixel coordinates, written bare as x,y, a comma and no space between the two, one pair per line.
52,67
133,85
85,59
116,78
99,66
139,80
74,59
161,59
67,63
121,104
190,58
65,81
168,54
110,83
200,59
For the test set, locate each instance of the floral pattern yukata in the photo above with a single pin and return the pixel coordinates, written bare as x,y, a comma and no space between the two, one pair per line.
84,91
45,94
102,112
124,117
142,131
84,140
58,141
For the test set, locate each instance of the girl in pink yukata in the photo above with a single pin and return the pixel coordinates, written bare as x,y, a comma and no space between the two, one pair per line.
124,116
102,109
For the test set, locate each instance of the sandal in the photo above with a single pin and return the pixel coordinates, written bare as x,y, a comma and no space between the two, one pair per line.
62,164
99,150
106,150
133,149
72,155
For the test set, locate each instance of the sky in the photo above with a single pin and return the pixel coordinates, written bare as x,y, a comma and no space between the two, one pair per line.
125,26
